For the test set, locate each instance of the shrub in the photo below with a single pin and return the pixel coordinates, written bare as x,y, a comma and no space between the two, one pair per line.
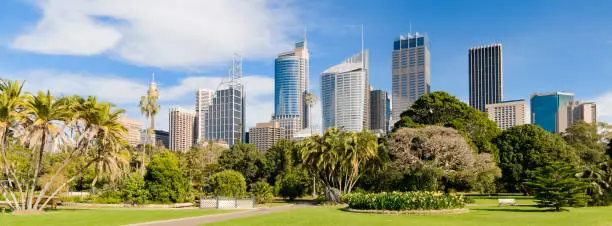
164,179
404,201
228,183
290,186
133,189
262,192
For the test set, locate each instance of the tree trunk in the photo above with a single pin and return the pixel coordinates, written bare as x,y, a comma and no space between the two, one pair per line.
78,175
152,131
30,196
93,184
314,188
10,172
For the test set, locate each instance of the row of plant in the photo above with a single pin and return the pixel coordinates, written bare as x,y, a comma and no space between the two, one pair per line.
418,200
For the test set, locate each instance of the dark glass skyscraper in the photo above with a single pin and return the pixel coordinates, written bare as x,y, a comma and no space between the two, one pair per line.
380,112
485,74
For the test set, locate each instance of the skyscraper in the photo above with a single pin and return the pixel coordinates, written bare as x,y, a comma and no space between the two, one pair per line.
225,119
507,113
485,75
133,127
550,110
203,100
290,87
345,94
380,113
410,72
583,111
181,129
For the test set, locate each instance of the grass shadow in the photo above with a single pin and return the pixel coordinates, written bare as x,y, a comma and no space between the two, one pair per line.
493,209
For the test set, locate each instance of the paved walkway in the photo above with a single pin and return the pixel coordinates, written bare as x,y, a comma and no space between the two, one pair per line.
195,221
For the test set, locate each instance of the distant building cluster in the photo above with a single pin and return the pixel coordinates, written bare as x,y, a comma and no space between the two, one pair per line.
349,102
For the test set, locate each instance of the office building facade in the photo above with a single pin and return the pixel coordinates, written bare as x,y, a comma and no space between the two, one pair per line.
162,137
507,113
265,135
549,110
380,113
345,94
485,76
291,78
410,72
582,111
225,116
133,127
181,129
203,99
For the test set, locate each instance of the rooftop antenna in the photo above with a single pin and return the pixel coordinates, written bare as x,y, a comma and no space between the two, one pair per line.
305,30
410,26
153,77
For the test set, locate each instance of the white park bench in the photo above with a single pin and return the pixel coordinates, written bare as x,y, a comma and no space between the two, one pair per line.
506,202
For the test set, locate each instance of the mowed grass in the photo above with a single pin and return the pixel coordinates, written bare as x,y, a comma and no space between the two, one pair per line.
95,217
479,215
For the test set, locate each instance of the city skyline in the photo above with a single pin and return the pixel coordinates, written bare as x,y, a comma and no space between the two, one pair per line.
116,72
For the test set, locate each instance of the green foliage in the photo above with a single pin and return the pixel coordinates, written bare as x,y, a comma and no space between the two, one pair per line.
280,158
262,192
228,183
133,189
292,185
440,108
556,186
404,201
164,179
586,140
245,159
526,147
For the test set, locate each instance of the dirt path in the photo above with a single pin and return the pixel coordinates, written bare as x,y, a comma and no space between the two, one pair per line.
194,221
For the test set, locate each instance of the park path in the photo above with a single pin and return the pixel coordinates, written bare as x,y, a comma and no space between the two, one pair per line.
195,221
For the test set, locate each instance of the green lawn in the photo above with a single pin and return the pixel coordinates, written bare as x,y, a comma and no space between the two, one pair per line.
92,217
479,215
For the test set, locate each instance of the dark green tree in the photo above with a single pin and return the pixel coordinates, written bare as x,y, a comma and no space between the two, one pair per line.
228,183
280,158
587,142
556,186
245,159
292,184
164,179
440,108
262,191
526,147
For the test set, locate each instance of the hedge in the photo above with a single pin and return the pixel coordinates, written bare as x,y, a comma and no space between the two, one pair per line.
404,201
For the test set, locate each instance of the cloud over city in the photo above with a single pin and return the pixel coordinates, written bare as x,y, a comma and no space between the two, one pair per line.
185,35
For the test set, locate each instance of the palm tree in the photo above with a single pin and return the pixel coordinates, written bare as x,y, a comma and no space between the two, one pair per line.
44,115
11,104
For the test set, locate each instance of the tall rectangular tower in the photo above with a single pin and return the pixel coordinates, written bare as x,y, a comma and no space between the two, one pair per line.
485,75
345,94
379,112
410,72
181,129
133,127
203,101
507,114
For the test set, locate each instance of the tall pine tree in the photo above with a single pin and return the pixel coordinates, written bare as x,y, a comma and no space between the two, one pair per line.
557,186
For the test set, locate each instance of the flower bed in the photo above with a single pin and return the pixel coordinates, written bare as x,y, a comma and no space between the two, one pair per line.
404,201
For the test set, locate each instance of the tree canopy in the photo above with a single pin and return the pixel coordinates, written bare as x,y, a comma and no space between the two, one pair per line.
526,147
588,143
245,159
442,109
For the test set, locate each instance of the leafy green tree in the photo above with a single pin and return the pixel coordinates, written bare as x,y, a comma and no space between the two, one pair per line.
556,186
440,108
164,179
133,189
195,162
292,185
262,192
526,147
228,183
245,159
280,158
587,142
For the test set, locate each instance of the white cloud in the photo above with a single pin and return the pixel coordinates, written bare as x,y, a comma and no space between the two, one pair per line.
125,92
186,34
604,107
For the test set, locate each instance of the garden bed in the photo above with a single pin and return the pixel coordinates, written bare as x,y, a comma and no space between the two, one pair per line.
404,201
411,212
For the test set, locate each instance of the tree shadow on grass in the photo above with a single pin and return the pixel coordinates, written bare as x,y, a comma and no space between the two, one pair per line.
494,209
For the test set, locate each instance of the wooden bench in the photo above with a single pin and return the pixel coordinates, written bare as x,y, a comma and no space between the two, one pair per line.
506,202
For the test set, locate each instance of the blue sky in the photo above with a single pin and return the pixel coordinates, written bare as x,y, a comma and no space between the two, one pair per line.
110,48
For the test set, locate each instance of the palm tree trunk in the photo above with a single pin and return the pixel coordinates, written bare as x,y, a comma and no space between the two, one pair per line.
10,172
93,184
153,131
37,170
78,175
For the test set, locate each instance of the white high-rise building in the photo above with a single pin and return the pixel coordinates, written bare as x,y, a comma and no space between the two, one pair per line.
345,94
507,113
410,73
203,101
181,129
133,127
